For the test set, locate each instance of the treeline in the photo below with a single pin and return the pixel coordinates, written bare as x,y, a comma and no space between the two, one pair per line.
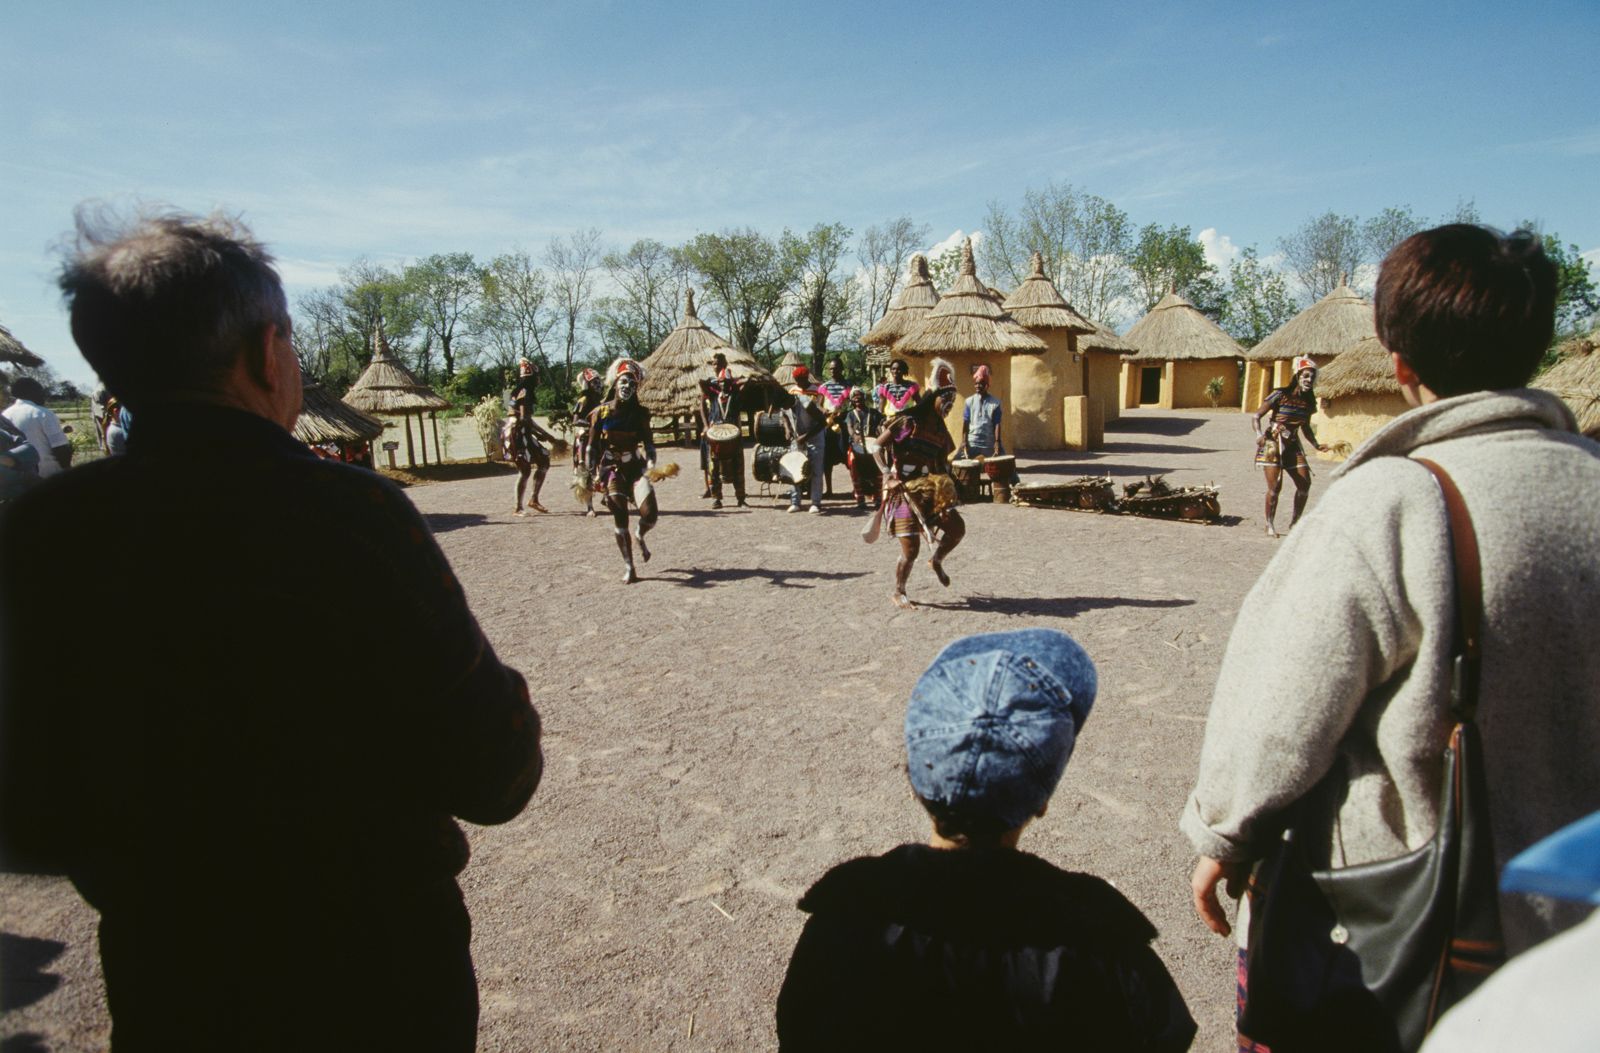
462,323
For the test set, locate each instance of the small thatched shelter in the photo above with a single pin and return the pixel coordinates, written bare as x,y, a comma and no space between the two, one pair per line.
326,422
1576,378
909,305
783,373
1180,352
674,370
387,388
1337,321
1356,394
1063,397
969,328
12,351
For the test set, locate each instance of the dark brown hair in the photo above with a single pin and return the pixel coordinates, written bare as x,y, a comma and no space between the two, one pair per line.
1467,308
968,827
169,301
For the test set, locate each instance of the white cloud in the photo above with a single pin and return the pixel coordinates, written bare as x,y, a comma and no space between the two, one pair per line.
310,274
1219,249
954,242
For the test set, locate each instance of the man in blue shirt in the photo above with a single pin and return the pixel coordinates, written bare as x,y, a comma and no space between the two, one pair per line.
980,420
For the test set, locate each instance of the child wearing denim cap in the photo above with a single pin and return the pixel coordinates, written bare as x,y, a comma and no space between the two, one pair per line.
967,942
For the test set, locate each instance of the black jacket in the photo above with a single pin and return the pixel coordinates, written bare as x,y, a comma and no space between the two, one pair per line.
989,949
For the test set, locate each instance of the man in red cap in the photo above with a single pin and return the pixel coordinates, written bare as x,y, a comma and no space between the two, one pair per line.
805,422
980,420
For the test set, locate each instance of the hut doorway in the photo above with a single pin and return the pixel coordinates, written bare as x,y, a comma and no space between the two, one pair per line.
1149,385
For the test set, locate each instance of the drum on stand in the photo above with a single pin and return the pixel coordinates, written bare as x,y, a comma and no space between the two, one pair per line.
1000,471
795,467
968,477
770,430
766,465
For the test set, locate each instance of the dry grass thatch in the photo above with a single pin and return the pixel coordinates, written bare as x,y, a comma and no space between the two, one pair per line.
324,418
1576,379
11,350
1175,330
783,373
1327,327
1104,338
909,305
1038,304
1363,368
673,372
386,386
968,319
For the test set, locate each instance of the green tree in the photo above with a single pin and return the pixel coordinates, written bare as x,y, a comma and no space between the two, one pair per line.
1171,259
446,288
1322,252
882,253
574,263
1257,302
1085,241
514,318
1386,230
371,291
824,296
747,278
1577,298
944,267
650,278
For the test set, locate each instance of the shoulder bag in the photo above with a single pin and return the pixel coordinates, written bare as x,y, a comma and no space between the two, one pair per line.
1368,957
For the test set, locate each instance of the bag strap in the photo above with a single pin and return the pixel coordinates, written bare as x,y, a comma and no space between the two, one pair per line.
1469,598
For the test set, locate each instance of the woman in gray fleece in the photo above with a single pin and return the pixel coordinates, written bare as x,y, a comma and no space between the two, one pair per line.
1339,659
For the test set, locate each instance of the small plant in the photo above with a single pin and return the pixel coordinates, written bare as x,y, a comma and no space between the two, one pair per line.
1214,389
488,415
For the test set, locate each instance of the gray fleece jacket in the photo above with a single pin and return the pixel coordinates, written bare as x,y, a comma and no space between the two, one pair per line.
1339,657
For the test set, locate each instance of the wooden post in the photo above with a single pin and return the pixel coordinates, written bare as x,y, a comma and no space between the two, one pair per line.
438,448
411,457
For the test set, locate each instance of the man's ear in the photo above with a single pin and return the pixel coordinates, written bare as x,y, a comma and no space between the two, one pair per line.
1404,375
259,361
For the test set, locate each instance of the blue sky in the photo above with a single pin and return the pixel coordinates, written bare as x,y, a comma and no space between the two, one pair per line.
394,131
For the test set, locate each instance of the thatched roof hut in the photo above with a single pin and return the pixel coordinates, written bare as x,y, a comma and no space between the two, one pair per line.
386,386
11,350
783,372
1362,368
914,300
967,320
1332,324
1038,304
673,372
1576,378
1180,356
1356,394
324,418
1104,338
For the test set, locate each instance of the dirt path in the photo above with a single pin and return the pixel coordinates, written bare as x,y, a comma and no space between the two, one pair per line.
749,736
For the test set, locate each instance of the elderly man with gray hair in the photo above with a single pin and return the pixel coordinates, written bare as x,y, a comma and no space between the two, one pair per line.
265,821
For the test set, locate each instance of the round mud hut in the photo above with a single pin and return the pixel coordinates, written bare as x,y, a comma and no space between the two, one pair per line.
1063,397
674,370
334,429
1356,395
1180,352
969,328
386,388
1337,321
1576,378
908,307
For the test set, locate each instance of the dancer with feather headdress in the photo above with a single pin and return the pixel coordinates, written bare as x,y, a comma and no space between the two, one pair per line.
621,458
919,497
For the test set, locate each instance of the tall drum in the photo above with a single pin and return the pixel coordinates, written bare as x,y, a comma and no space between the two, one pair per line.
770,431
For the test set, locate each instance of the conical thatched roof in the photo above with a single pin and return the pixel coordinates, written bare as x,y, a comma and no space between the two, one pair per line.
1038,304
1104,338
673,372
1363,368
1176,330
783,373
1576,378
386,386
916,299
11,350
1327,327
968,319
324,418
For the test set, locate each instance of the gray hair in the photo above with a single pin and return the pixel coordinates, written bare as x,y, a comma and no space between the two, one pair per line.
167,301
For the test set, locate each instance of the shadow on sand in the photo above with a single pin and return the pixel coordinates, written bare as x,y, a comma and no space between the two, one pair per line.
700,578
1047,607
1153,424
443,522
23,979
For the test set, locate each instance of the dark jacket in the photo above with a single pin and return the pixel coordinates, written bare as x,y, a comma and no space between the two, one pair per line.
970,950
250,761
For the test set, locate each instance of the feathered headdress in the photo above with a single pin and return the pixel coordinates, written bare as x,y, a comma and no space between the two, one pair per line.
585,378
1305,363
621,366
941,375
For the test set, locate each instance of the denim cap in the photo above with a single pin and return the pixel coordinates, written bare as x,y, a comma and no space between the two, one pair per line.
994,719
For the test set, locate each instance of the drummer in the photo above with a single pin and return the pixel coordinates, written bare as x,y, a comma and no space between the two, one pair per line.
833,397
980,421
718,397
914,450
805,426
861,426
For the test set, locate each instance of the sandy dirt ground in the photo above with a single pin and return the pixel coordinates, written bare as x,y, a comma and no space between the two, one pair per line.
722,732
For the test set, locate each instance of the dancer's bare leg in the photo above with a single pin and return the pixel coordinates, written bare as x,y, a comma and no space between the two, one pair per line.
540,470
952,529
647,521
522,486
1302,492
909,547
619,526
1274,484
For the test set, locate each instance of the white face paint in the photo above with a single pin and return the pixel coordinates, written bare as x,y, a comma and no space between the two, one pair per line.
625,388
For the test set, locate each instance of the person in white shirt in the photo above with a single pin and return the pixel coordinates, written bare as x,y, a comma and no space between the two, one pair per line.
42,427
